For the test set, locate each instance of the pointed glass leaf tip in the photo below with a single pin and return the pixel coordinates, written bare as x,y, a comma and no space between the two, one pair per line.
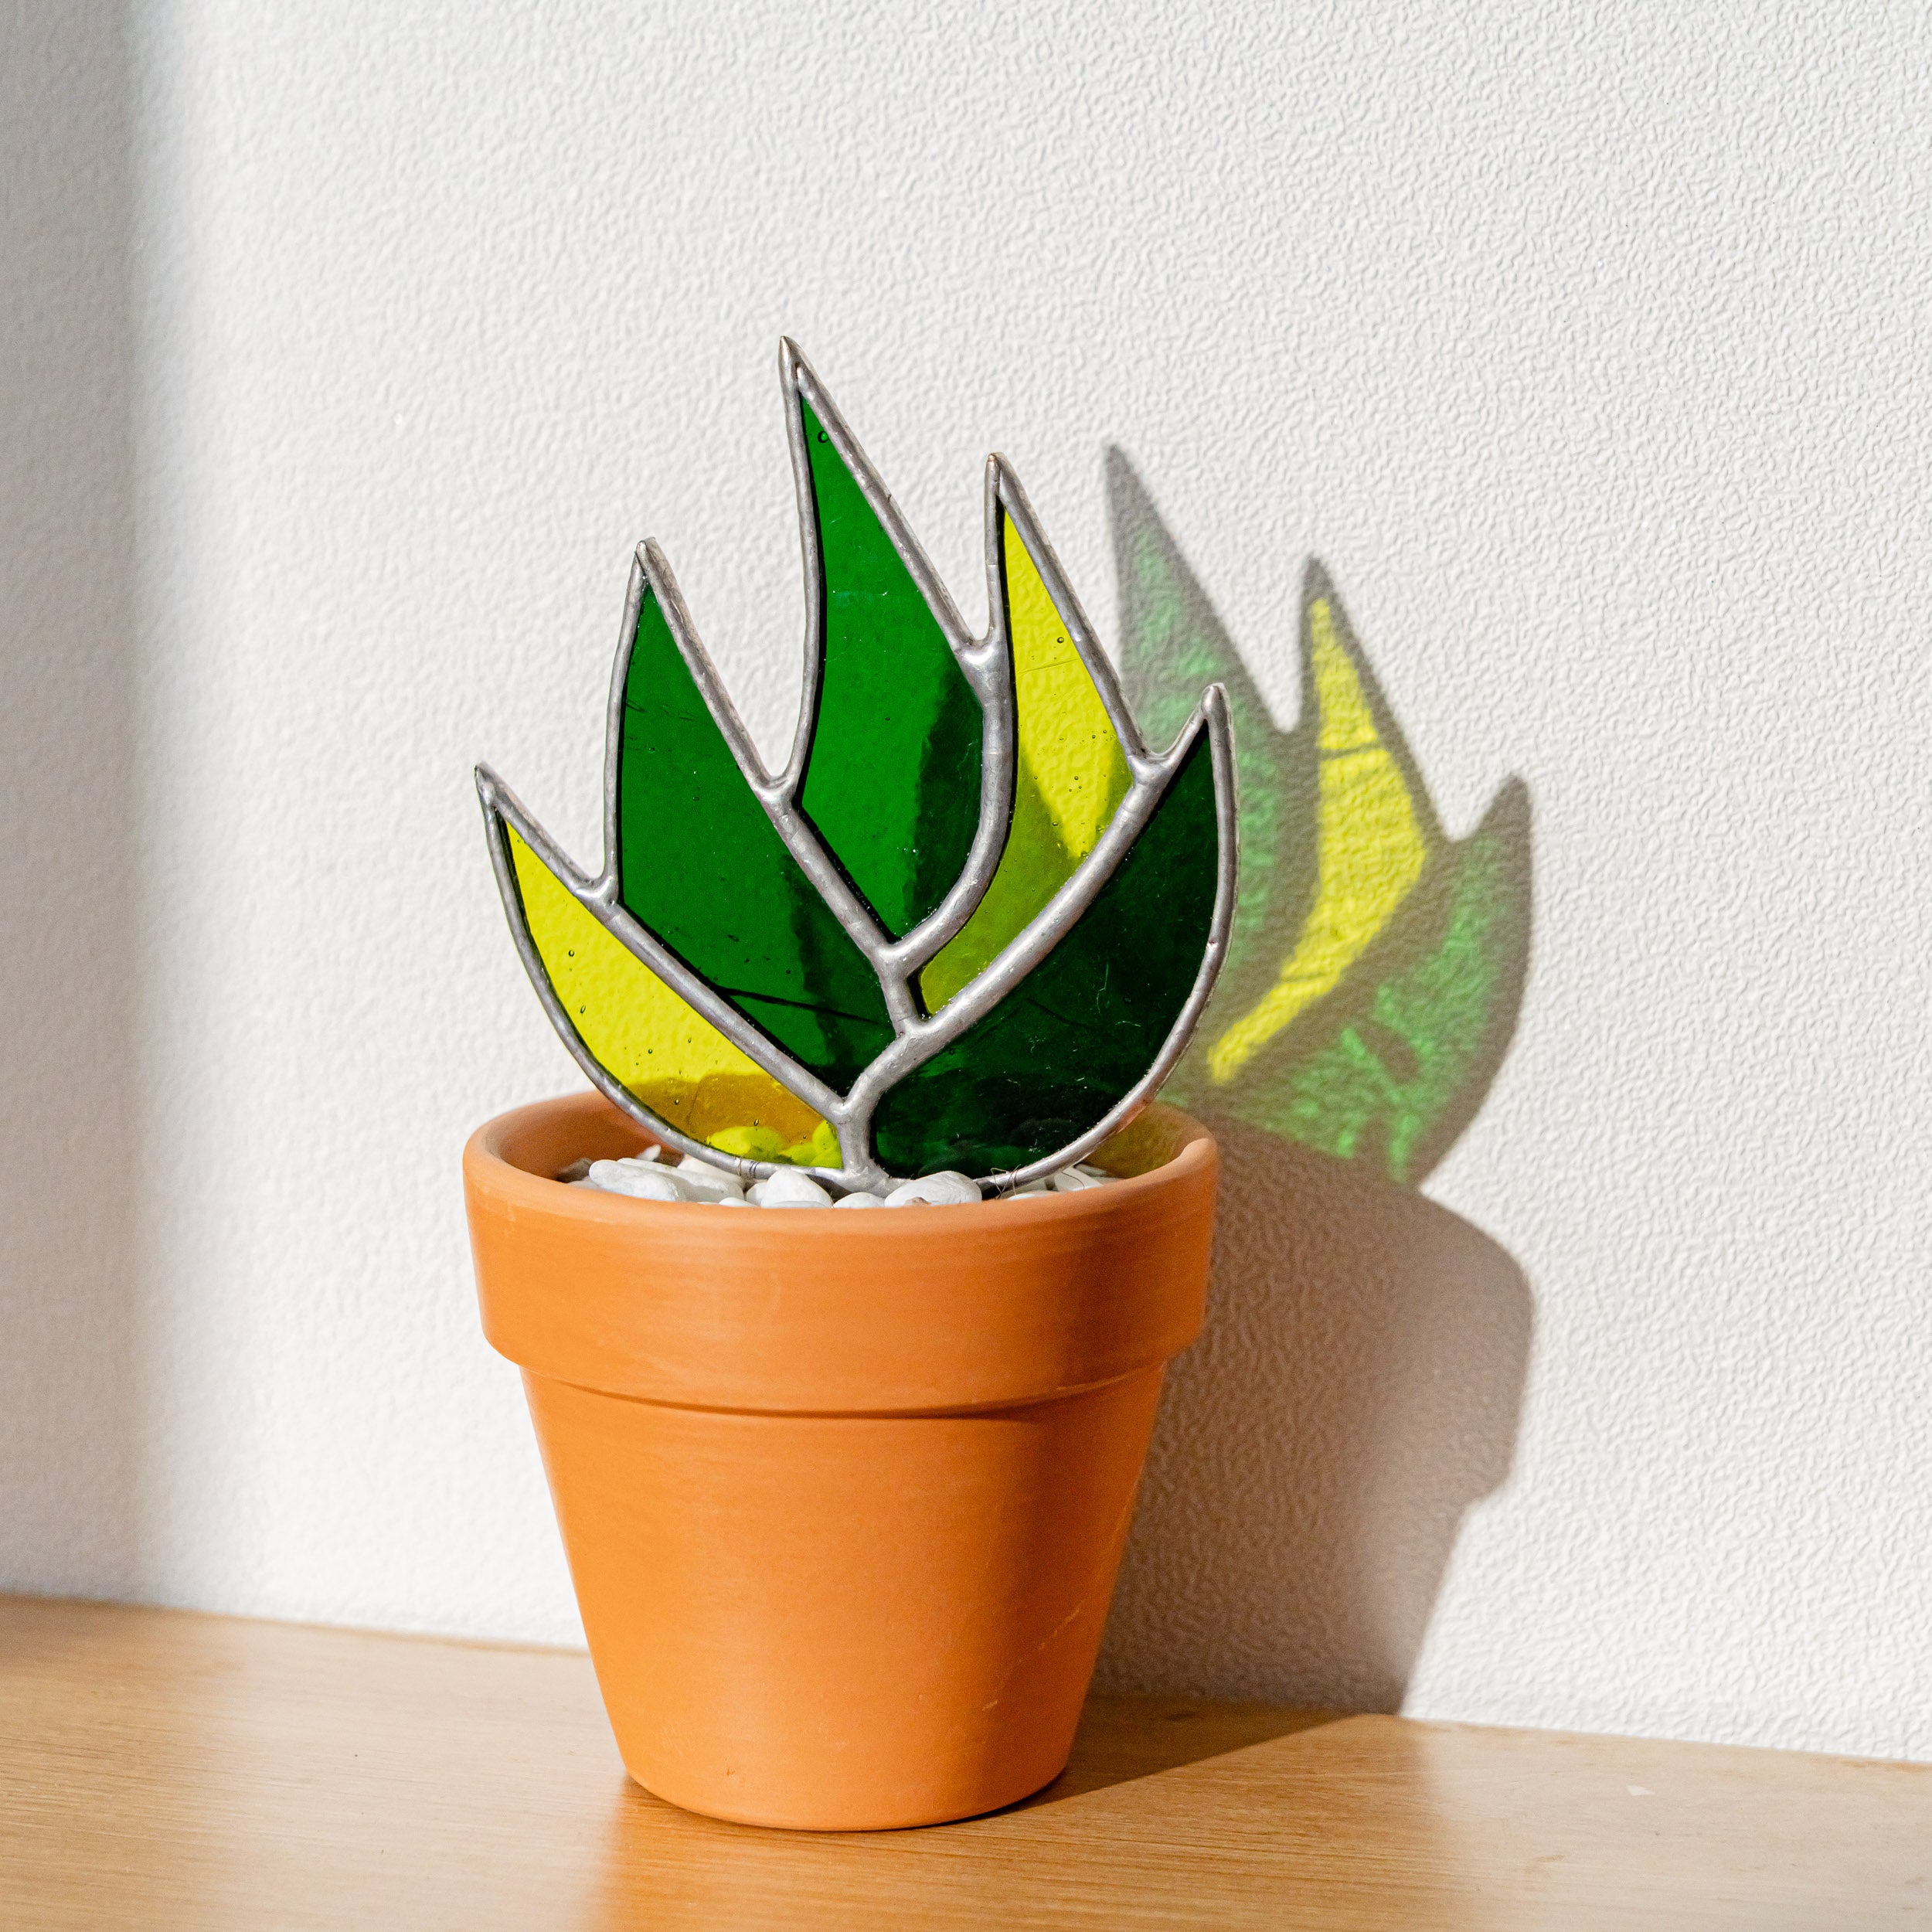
891,779
701,866
1071,773
657,1046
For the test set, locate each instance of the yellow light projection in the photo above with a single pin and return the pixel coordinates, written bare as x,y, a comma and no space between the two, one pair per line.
1071,776
1370,846
655,1044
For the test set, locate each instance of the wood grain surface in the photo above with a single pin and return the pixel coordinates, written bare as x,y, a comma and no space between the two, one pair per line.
160,1770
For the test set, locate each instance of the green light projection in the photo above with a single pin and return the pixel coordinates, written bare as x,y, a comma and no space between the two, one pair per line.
1375,966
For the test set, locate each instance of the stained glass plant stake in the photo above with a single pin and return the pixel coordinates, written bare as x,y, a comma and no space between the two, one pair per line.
971,924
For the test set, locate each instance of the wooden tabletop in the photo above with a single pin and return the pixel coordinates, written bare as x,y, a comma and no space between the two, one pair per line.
160,1770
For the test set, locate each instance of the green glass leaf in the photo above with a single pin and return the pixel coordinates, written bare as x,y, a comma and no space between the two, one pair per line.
1391,1067
701,866
1060,1051
1172,643
892,778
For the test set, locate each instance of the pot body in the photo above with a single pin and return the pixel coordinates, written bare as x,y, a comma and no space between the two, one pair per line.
843,1494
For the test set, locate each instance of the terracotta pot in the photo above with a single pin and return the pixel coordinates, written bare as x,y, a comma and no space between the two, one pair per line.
843,1494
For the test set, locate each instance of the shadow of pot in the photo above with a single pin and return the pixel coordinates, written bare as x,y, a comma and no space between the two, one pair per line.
844,1495
1356,1394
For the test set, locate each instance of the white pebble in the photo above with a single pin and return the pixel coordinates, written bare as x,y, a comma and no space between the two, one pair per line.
638,1178
788,1190
1073,1180
643,1177
949,1190
702,1181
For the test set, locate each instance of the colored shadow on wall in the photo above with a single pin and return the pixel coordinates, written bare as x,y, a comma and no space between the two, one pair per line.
1358,1385
1376,968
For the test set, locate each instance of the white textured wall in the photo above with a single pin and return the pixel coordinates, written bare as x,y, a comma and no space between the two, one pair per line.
1588,346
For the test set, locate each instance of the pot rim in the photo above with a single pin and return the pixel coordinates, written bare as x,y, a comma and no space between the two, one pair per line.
914,1312
1181,1140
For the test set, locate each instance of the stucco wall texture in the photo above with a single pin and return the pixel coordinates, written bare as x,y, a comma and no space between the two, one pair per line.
354,349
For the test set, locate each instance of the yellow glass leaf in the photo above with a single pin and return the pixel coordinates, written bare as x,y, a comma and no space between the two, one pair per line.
1066,740
1071,777
651,1041
1370,851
